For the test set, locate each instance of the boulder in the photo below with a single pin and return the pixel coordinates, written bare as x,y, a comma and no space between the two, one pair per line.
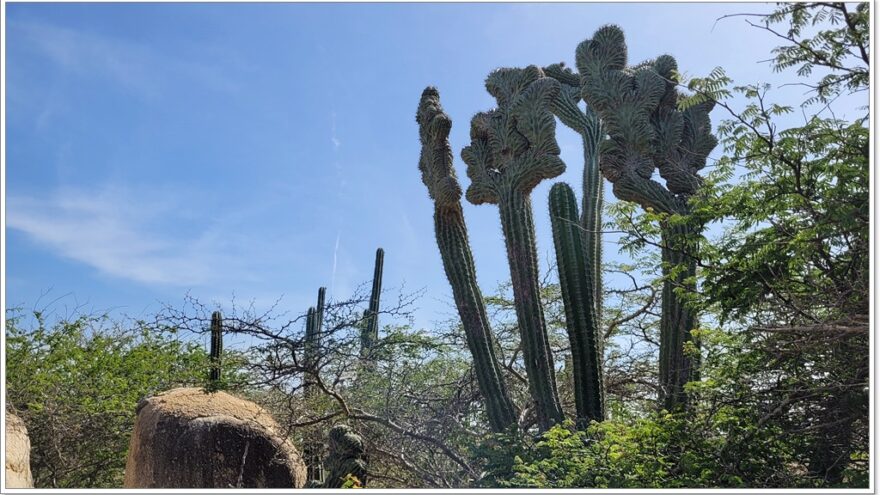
18,454
187,438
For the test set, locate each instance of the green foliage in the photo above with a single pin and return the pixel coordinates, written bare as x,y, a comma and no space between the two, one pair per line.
799,239
725,440
830,36
76,382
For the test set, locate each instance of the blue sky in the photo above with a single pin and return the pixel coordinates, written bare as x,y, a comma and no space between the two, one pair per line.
264,150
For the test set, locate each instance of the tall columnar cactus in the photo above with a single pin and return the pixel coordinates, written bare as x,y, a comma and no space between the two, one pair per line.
314,320
513,148
576,283
647,131
588,125
450,230
370,328
319,311
216,346
310,354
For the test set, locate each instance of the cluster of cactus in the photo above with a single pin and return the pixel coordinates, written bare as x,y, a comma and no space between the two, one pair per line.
646,130
216,348
370,321
451,232
346,459
631,126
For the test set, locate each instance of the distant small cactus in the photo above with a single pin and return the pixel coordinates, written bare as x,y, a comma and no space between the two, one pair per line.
370,322
216,348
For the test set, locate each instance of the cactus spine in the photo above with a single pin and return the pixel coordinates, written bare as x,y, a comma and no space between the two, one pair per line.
513,148
370,322
647,131
216,347
575,280
451,233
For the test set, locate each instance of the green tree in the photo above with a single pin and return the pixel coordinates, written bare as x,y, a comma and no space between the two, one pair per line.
76,383
792,266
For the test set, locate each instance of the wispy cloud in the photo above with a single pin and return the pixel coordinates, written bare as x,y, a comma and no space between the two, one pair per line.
335,261
129,234
333,138
136,67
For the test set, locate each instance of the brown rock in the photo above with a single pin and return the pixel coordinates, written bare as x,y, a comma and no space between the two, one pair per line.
18,454
186,438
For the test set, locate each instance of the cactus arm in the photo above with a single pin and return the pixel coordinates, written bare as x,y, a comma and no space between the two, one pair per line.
591,213
588,125
451,233
512,149
576,284
519,235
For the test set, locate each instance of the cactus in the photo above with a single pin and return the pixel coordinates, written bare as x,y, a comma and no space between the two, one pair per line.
370,320
216,347
513,148
646,129
346,458
310,354
575,280
319,312
451,233
314,322
588,125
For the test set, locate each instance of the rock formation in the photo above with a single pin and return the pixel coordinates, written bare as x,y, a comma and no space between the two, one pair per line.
186,438
18,454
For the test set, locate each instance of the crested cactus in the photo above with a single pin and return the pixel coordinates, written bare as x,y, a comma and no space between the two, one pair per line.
451,232
588,125
576,283
346,457
370,322
647,131
513,148
216,347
